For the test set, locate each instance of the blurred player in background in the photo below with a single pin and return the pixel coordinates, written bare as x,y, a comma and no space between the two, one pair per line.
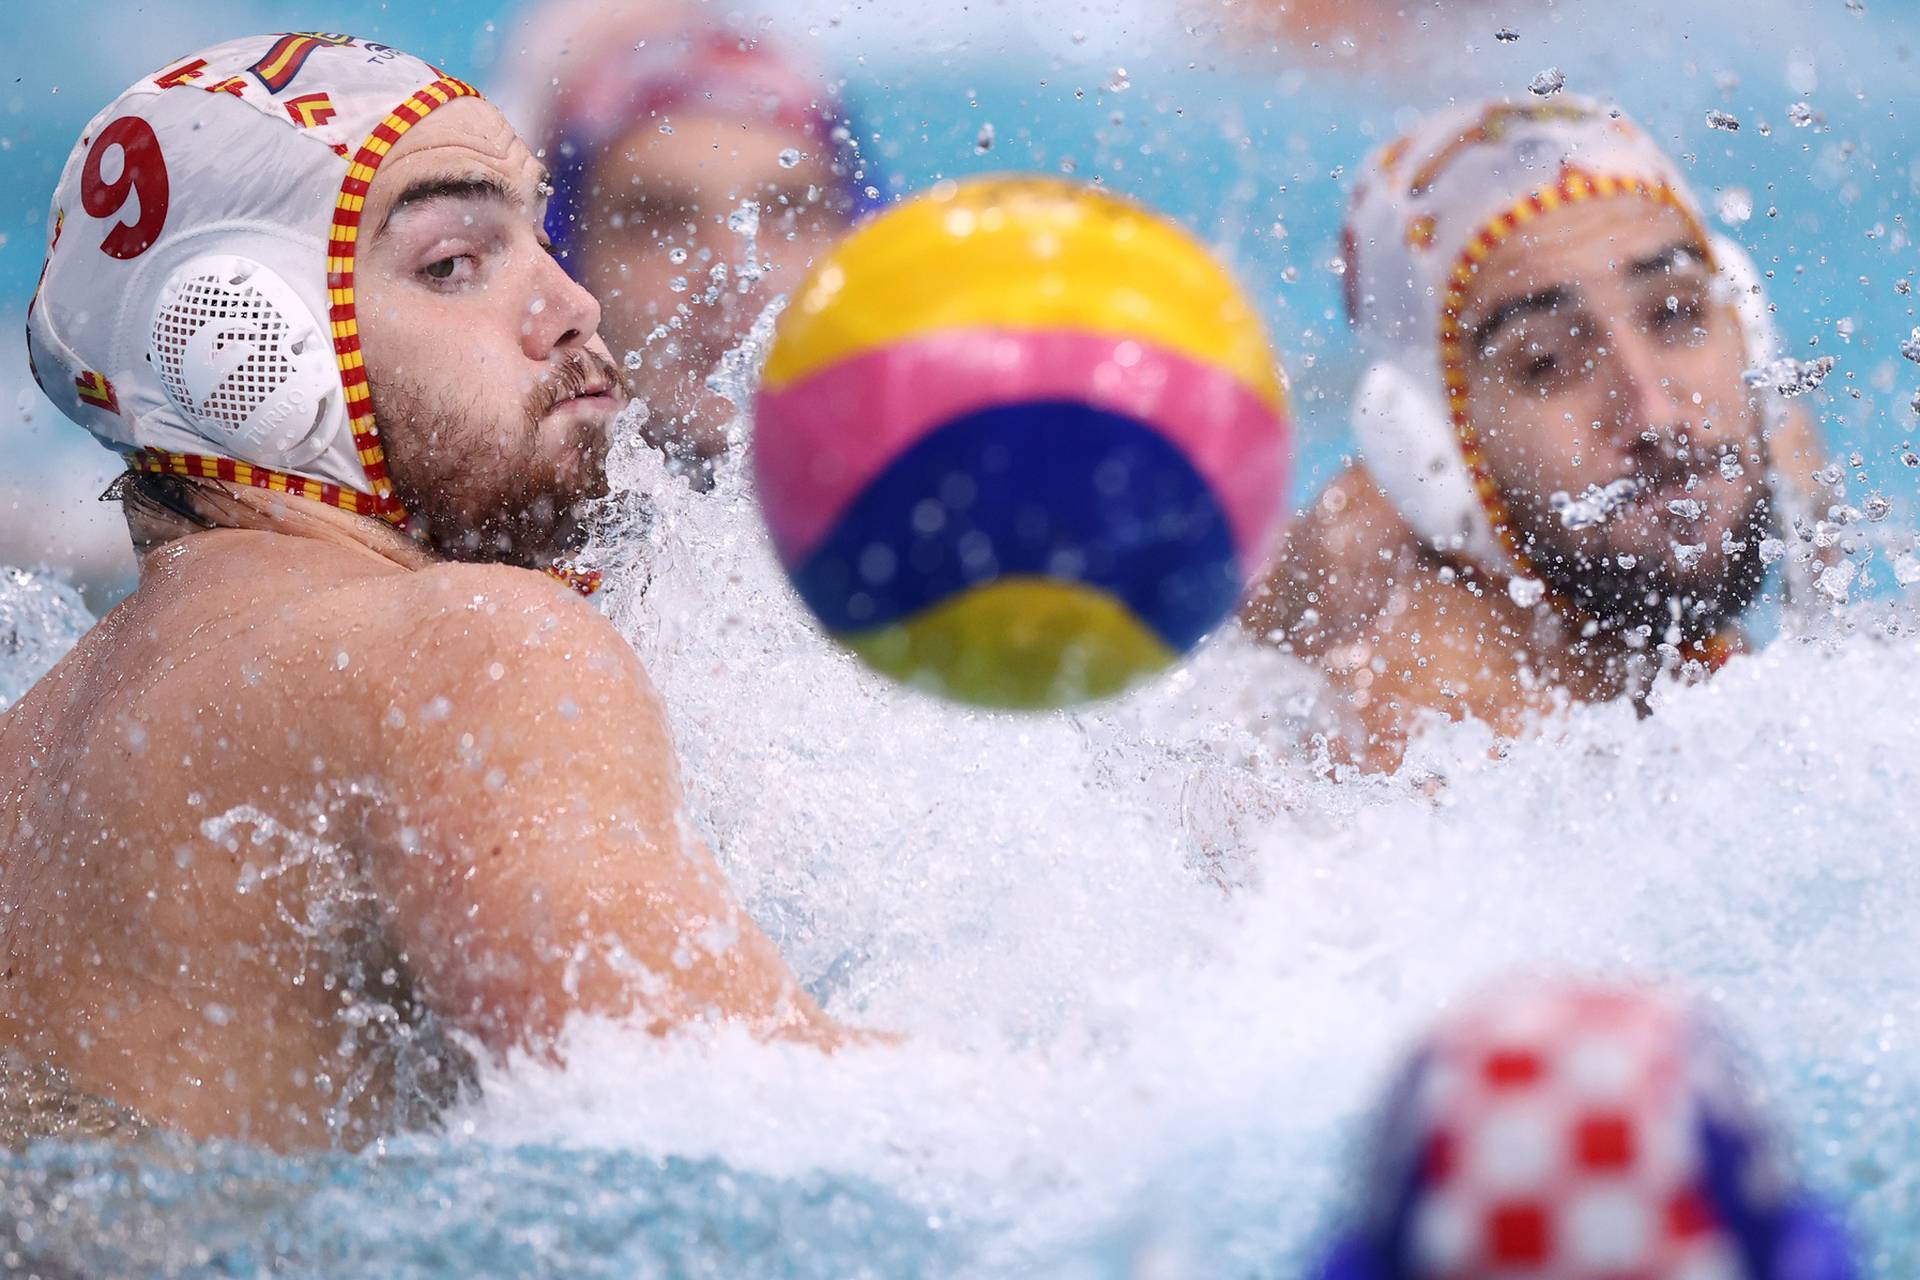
697,170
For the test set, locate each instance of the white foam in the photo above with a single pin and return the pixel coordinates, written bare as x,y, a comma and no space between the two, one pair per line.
1153,942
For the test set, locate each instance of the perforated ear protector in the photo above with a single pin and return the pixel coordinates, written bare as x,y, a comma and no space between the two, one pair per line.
1409,447
242,356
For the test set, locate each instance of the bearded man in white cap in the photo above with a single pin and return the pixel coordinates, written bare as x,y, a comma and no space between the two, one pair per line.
1566,481
348,785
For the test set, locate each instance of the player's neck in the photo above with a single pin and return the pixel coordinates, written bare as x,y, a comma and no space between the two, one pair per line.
202,505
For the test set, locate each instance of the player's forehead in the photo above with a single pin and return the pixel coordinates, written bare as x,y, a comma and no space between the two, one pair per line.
465,138
1587,250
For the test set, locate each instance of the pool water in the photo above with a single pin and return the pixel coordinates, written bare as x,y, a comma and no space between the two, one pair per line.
1150,961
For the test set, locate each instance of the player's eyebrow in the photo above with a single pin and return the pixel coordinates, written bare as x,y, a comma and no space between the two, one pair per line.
485,187
1513,308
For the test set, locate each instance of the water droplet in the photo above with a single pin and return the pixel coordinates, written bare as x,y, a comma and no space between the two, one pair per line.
1801,114
1723,120
1506,35
790,157
1119,83
1836,580
1548,82
1734,206
1789,377
1526,592
1687,508
983,143
1594,505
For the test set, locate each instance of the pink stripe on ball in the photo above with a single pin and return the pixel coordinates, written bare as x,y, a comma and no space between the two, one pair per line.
819,441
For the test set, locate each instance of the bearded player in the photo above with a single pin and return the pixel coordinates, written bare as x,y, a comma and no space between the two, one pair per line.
349,782
1566,481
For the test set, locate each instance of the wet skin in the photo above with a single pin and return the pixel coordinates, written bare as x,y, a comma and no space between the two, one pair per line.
313,796
1599,350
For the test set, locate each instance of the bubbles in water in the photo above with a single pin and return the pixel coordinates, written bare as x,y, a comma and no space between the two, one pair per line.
1119,82
1506,35
1548,82
1723,120
790,157
1790,377
1687,554
1801,114
983,141
1910,348
1687,508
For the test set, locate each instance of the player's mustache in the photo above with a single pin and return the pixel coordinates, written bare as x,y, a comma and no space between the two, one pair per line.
576,373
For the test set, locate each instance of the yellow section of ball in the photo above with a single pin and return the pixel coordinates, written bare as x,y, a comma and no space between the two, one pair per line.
1021,254
1022,643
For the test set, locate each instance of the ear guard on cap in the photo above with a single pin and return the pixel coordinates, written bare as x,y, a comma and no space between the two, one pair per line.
242,357
1407,445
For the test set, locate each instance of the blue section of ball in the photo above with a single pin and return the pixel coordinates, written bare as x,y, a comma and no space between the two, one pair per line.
1052,489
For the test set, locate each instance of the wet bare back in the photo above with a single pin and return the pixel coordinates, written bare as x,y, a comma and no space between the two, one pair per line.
303,807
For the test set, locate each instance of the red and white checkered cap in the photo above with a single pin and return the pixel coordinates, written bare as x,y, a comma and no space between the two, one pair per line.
1560,1132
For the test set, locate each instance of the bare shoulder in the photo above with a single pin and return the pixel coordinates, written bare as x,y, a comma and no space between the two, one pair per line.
454,614
513,651
1333,571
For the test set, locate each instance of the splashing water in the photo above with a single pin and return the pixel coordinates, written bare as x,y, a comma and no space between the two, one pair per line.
1790,377
40,619
1595,505
1150,959
1548,82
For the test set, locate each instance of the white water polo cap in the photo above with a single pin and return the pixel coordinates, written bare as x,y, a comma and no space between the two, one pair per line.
196,310
1429,208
